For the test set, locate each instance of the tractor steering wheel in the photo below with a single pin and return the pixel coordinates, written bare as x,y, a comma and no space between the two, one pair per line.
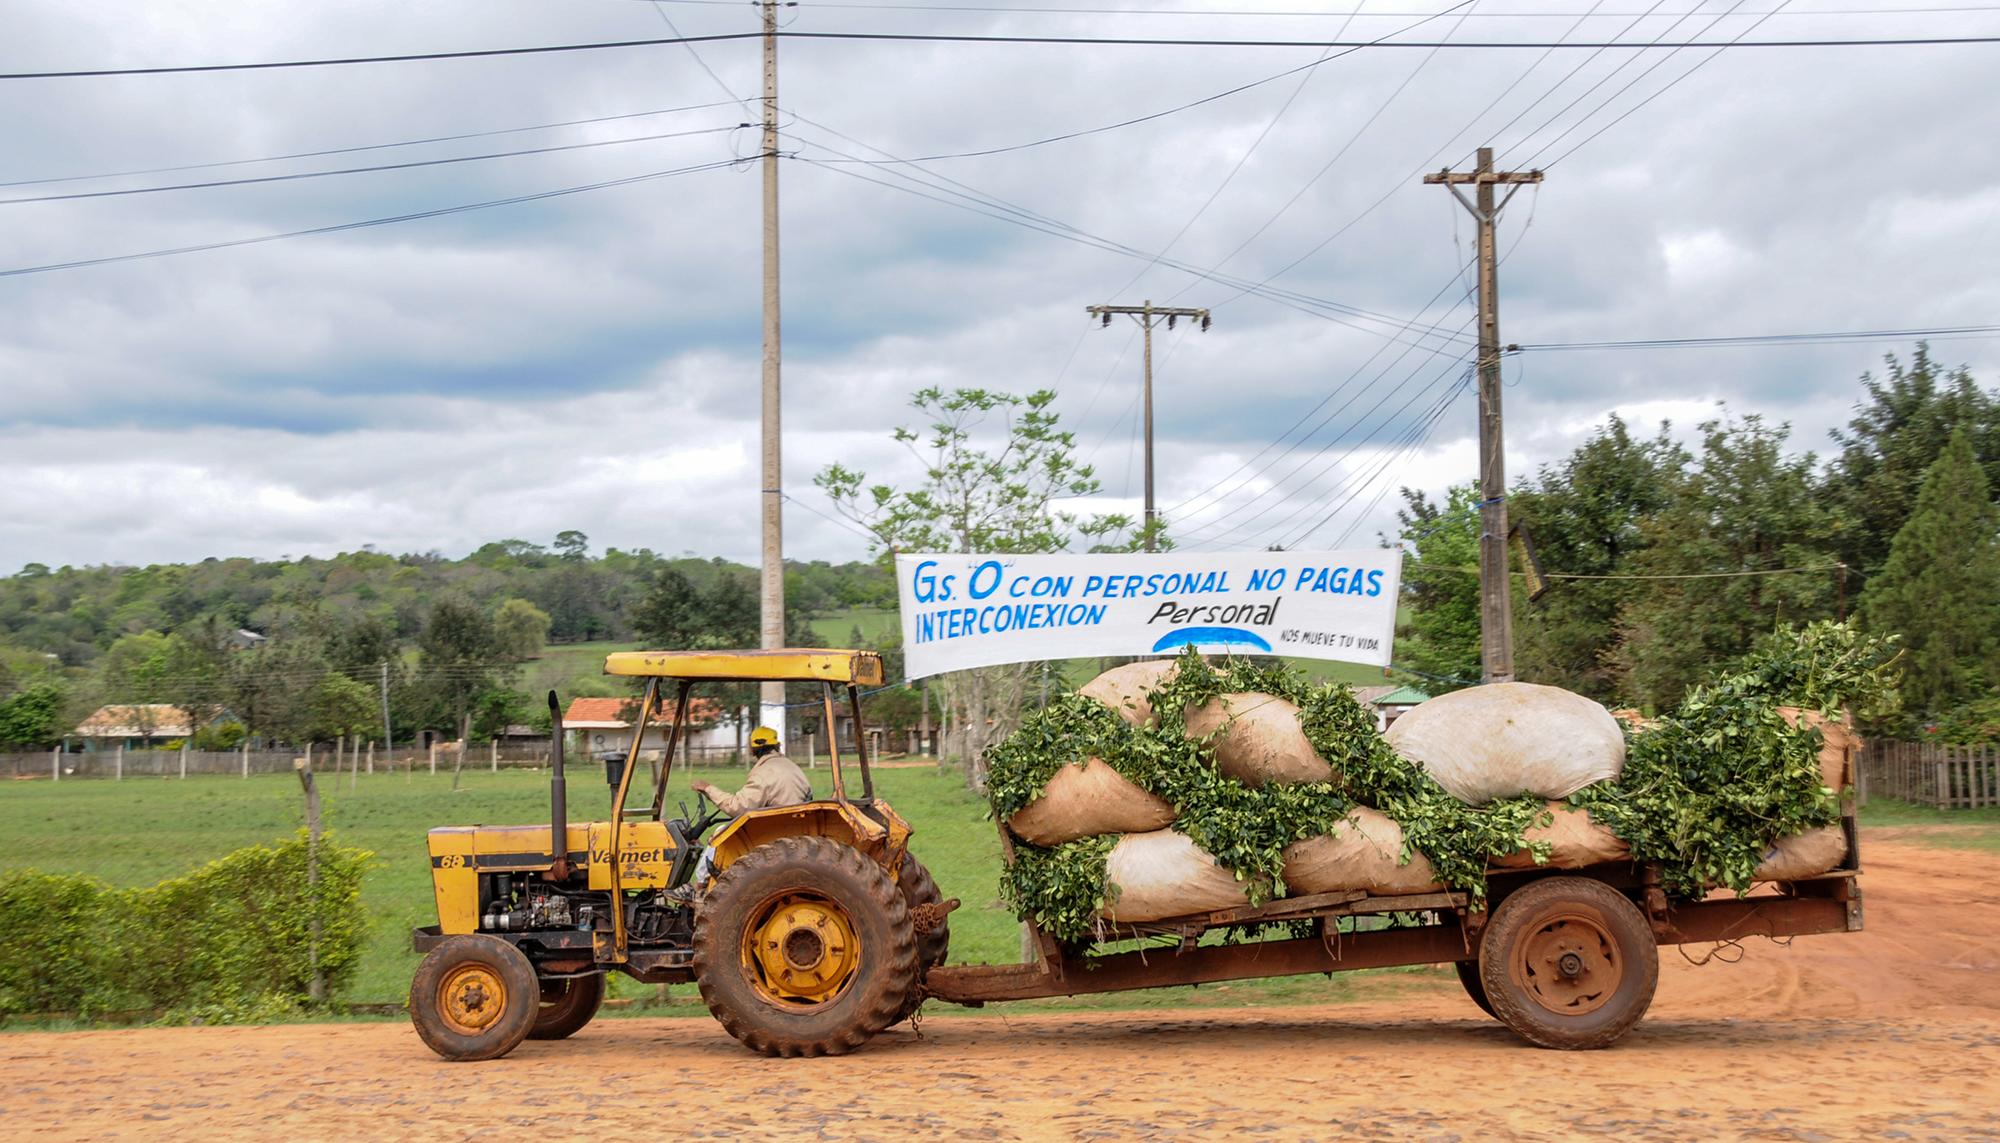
711,815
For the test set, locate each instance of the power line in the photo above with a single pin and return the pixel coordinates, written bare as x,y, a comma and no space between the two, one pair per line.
1829,337
375,168
359,149
936,37
413,216
1354,12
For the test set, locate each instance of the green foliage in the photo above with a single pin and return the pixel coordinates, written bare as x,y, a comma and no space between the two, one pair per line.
231,939
1724,775
339,706
1941,586
225,735
520,629
1439,641
33,715
1061,889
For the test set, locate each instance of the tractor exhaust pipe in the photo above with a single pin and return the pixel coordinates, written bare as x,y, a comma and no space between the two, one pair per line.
558,795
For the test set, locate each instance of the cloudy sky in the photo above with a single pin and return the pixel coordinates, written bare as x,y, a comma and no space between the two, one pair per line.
590,360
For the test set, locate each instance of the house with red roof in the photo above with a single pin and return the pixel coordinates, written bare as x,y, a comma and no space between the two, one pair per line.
604,725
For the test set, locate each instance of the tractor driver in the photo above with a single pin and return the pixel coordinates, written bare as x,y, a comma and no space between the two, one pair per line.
774,781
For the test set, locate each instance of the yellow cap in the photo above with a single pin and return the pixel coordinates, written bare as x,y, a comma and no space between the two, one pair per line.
763,736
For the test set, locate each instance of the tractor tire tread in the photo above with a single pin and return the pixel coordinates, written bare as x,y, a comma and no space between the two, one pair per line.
563,1018
933,946
523,997
878,995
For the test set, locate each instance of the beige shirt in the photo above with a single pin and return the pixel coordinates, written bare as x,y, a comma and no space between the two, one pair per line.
774,781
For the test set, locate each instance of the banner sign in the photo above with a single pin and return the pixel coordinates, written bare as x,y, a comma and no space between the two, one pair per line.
964,611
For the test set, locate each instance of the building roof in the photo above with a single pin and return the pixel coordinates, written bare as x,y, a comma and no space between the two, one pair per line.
1401,696
135,720
617,713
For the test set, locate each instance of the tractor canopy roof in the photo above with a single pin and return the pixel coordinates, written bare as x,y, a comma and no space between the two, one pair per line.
787,665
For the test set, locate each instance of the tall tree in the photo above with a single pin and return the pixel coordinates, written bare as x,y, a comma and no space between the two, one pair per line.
1438,639
1940,589
996,468
1745,543
458,653
1897,433
1585,517
519,629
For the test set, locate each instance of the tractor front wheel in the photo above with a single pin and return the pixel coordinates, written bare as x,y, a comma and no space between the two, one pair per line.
566,1006
1568,962
474,998
803,947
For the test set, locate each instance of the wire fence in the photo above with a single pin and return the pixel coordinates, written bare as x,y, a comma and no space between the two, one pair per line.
1934,774
117,765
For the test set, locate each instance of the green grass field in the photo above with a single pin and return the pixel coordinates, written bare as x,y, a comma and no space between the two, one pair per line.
1940,829
139,831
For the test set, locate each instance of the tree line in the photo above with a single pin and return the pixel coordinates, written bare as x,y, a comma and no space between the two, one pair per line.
1684,555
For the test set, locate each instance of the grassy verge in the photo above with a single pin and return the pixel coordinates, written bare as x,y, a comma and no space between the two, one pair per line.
1939,829
139,831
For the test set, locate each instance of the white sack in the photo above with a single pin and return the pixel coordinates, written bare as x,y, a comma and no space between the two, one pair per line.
1261,740
1364,852
1164,874
1574,842
1839,745
1507,739
1087,800
1802,855
1124,689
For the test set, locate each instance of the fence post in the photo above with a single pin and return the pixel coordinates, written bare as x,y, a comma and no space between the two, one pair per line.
371,757
184,761
493,754
55,765
318,986
1940,778
118,773
434,757
246,757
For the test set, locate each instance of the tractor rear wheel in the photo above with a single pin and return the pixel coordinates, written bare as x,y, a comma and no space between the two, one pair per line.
803,947
1569,962
566,1006
933,944
474,998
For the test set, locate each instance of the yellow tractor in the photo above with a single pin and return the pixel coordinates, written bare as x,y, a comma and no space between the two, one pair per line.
814,933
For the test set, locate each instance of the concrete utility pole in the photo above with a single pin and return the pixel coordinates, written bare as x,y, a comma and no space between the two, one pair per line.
772,695
1496,616
1146,315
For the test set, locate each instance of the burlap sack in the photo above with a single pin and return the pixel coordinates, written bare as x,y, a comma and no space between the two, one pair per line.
1507,739
1124,689
1087,800
1803,855
1841,744
1574,842
1261,741
1163,874
1364,853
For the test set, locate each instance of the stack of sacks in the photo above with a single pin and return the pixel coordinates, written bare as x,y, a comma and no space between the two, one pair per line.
1154,871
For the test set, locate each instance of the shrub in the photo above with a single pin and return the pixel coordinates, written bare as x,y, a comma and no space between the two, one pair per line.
230,940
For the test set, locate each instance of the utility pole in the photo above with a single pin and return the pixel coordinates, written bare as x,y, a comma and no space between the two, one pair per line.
1147,315
772,695
388,733
1496,617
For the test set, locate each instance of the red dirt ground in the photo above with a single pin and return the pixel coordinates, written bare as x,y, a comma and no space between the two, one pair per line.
1893,1032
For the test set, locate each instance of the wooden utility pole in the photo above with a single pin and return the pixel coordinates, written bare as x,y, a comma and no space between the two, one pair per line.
1146,315
771,696
1496,616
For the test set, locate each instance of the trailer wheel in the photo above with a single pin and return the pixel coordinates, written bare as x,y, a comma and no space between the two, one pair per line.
566,1006
1468,975
933,944
803,947
474,998
1568,962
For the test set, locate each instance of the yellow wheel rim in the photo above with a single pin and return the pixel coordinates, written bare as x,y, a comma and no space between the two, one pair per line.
471,997
800,950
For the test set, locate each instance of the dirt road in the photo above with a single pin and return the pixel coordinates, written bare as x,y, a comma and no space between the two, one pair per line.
1894,1032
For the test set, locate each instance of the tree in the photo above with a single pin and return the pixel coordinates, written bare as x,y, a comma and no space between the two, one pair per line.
1440,639
520,629
340,707
1895,437
32,717
1940,589
456,661
1586,517
572,545
1745,544
987,487
670,616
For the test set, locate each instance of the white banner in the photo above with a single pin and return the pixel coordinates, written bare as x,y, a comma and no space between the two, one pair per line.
977,610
